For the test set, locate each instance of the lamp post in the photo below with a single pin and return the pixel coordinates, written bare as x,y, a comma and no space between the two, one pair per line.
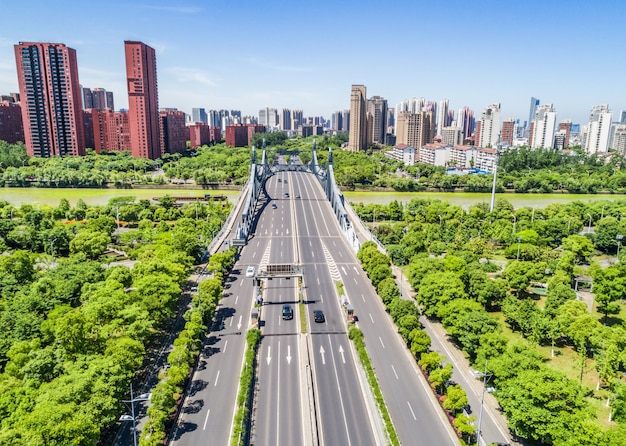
131,417
519,240
619,243
589,229
495,174
117,217
485,376
514,223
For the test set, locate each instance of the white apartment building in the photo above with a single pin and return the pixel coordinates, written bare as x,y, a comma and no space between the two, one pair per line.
404,153
542,127
488,129
596,138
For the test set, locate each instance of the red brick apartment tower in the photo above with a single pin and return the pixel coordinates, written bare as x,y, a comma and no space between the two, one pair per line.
47,74
11,127
508,130
143,106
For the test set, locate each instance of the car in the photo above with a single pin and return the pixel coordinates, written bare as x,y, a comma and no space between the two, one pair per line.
250,271
279,180
318,316
274,206
287,312
297,196
287,194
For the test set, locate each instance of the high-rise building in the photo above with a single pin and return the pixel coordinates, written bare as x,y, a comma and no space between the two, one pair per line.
97,98
451,136
508,131
622,117
143,99
465,120
442,116
488,133
377,109
111,130
619,139
414,129
51,107
285,119
174,134
598,130
199,115
534,103
541,133
565,127
358,119
11,126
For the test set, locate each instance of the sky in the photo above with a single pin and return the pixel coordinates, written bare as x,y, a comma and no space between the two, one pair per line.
247,55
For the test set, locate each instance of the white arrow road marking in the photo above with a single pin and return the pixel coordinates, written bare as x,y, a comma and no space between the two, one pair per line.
289,354
217,377
411,409
381,341
343,358
239,323
394,371
322,353
269,358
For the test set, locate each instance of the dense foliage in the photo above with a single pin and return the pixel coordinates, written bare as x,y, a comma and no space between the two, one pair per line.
75,326
471,269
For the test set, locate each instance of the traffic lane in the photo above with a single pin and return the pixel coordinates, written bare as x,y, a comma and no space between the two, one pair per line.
278,414
408,397
210,401
277,293
342,412
321,294
311,251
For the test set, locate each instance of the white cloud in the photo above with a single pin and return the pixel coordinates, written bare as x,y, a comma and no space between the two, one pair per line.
185,75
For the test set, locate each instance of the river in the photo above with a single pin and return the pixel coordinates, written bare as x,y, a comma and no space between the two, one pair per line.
44,196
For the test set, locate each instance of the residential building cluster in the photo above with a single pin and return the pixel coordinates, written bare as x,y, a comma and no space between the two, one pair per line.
431,133
56,116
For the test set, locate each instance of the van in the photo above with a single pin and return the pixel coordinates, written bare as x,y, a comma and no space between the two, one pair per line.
287,312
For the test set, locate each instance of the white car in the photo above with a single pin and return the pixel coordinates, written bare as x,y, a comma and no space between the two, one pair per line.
250,271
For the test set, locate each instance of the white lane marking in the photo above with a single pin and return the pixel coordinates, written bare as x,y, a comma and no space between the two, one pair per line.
206,419
344,270
343,409
381,341
231,321
355,281
239,323
321,298
334,243
371,318
340,254
225,345
236,299
411,409
394,371
310,243
217,377
356,270
322,352
241,283
318,281
258,243
362,297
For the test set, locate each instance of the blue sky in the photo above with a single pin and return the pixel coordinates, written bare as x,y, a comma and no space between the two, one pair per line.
246,55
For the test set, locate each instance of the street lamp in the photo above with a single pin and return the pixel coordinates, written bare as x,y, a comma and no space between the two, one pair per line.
495,173
485,376
589,230
519,240
514,223
619,243
131,417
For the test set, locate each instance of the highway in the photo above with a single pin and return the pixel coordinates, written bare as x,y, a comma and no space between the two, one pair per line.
309,387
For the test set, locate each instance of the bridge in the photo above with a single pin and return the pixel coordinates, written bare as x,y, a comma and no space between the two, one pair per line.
257,196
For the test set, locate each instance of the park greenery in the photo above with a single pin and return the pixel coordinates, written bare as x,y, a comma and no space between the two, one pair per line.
502,284
77,325
520,169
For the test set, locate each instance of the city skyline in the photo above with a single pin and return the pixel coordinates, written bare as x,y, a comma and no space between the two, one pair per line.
248,56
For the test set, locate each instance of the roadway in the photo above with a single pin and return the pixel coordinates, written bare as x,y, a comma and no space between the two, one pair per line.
282,412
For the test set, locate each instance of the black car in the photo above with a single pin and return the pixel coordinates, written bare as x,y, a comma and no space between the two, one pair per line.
318,316
287,312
